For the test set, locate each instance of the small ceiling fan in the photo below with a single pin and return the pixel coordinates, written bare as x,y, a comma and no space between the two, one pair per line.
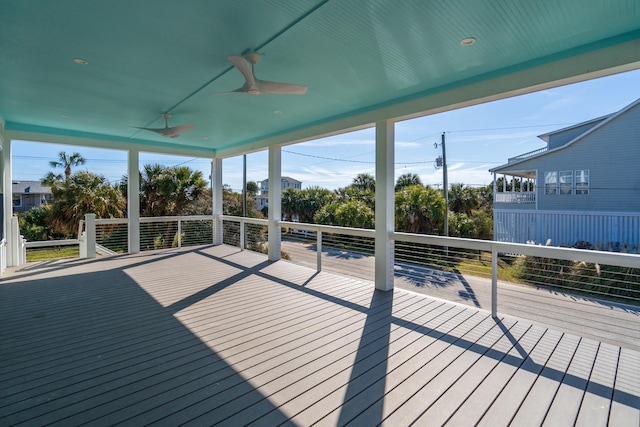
169,132
254,86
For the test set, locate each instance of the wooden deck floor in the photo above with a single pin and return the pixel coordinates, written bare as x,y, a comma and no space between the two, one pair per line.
212,336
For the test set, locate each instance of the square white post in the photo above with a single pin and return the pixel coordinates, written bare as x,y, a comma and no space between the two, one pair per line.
385,199
133,201
90,235
275,207
7,202
216,193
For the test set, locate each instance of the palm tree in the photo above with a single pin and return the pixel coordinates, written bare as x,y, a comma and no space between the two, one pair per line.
290,203
364,182
312,199
463,199
419,210
169,191
83,192
407,180
50,179
66,161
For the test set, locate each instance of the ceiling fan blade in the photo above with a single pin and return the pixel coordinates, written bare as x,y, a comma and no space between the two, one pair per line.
280,88
181,128
243,66
156,130
172,132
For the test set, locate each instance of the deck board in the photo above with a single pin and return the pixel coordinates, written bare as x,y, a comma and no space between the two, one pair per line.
213,335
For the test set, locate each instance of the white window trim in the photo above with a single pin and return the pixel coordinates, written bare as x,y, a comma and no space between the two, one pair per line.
588,181
571,188
557,190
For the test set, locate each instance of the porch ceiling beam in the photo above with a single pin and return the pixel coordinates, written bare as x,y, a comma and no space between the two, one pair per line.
110,144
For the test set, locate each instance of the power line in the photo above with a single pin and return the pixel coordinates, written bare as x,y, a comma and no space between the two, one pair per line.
511,127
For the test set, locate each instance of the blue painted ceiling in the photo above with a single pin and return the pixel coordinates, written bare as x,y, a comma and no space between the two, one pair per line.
146,57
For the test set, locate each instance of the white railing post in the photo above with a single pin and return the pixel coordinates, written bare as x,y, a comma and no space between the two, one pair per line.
23,250
275,203
319,250
90,234
3,256
216,207
494,281
133,202
179,232
242,236
82,241
14,243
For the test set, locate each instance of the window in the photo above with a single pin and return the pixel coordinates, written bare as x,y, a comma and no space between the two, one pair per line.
17,201
566,182
551,182
582,181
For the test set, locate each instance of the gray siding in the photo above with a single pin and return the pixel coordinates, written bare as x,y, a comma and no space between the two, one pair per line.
606,231
561,138
612,156
29,201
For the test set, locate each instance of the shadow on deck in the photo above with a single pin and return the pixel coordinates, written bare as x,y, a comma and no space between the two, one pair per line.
215,336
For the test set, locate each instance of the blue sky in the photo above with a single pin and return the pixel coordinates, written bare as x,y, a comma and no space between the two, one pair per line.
477,139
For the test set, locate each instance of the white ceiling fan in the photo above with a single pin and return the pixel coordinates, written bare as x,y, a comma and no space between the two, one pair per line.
254,86
169,132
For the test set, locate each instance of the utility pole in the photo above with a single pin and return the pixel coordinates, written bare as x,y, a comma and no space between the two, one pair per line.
446,187
442,162
244,185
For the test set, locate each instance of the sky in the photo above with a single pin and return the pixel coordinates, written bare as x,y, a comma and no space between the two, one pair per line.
477,139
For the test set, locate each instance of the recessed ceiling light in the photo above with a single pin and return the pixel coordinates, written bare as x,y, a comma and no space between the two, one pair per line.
64,116
80,61
468,41
205,137
277,112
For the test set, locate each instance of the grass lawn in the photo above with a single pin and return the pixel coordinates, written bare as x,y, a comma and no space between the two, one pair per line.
46,254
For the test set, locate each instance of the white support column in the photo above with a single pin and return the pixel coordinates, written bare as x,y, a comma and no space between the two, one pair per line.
7,201
275,196
90,235
384,262
133,201
216,193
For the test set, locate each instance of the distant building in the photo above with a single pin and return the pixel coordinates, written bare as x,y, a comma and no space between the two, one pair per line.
582,189
262,198
30,194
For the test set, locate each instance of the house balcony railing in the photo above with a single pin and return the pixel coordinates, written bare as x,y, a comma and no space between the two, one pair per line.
515,197
527,155
419,259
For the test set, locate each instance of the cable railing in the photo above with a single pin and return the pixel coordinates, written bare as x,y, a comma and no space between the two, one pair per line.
339,249
112,235
548,284
245,233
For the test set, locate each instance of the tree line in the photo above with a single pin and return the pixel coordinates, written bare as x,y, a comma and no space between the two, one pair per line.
418,208
179,190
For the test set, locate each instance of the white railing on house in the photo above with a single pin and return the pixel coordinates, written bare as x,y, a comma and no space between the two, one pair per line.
527,155
515,197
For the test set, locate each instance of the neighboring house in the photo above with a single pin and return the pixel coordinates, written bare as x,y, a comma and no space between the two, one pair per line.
262,199
30,194
582,189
